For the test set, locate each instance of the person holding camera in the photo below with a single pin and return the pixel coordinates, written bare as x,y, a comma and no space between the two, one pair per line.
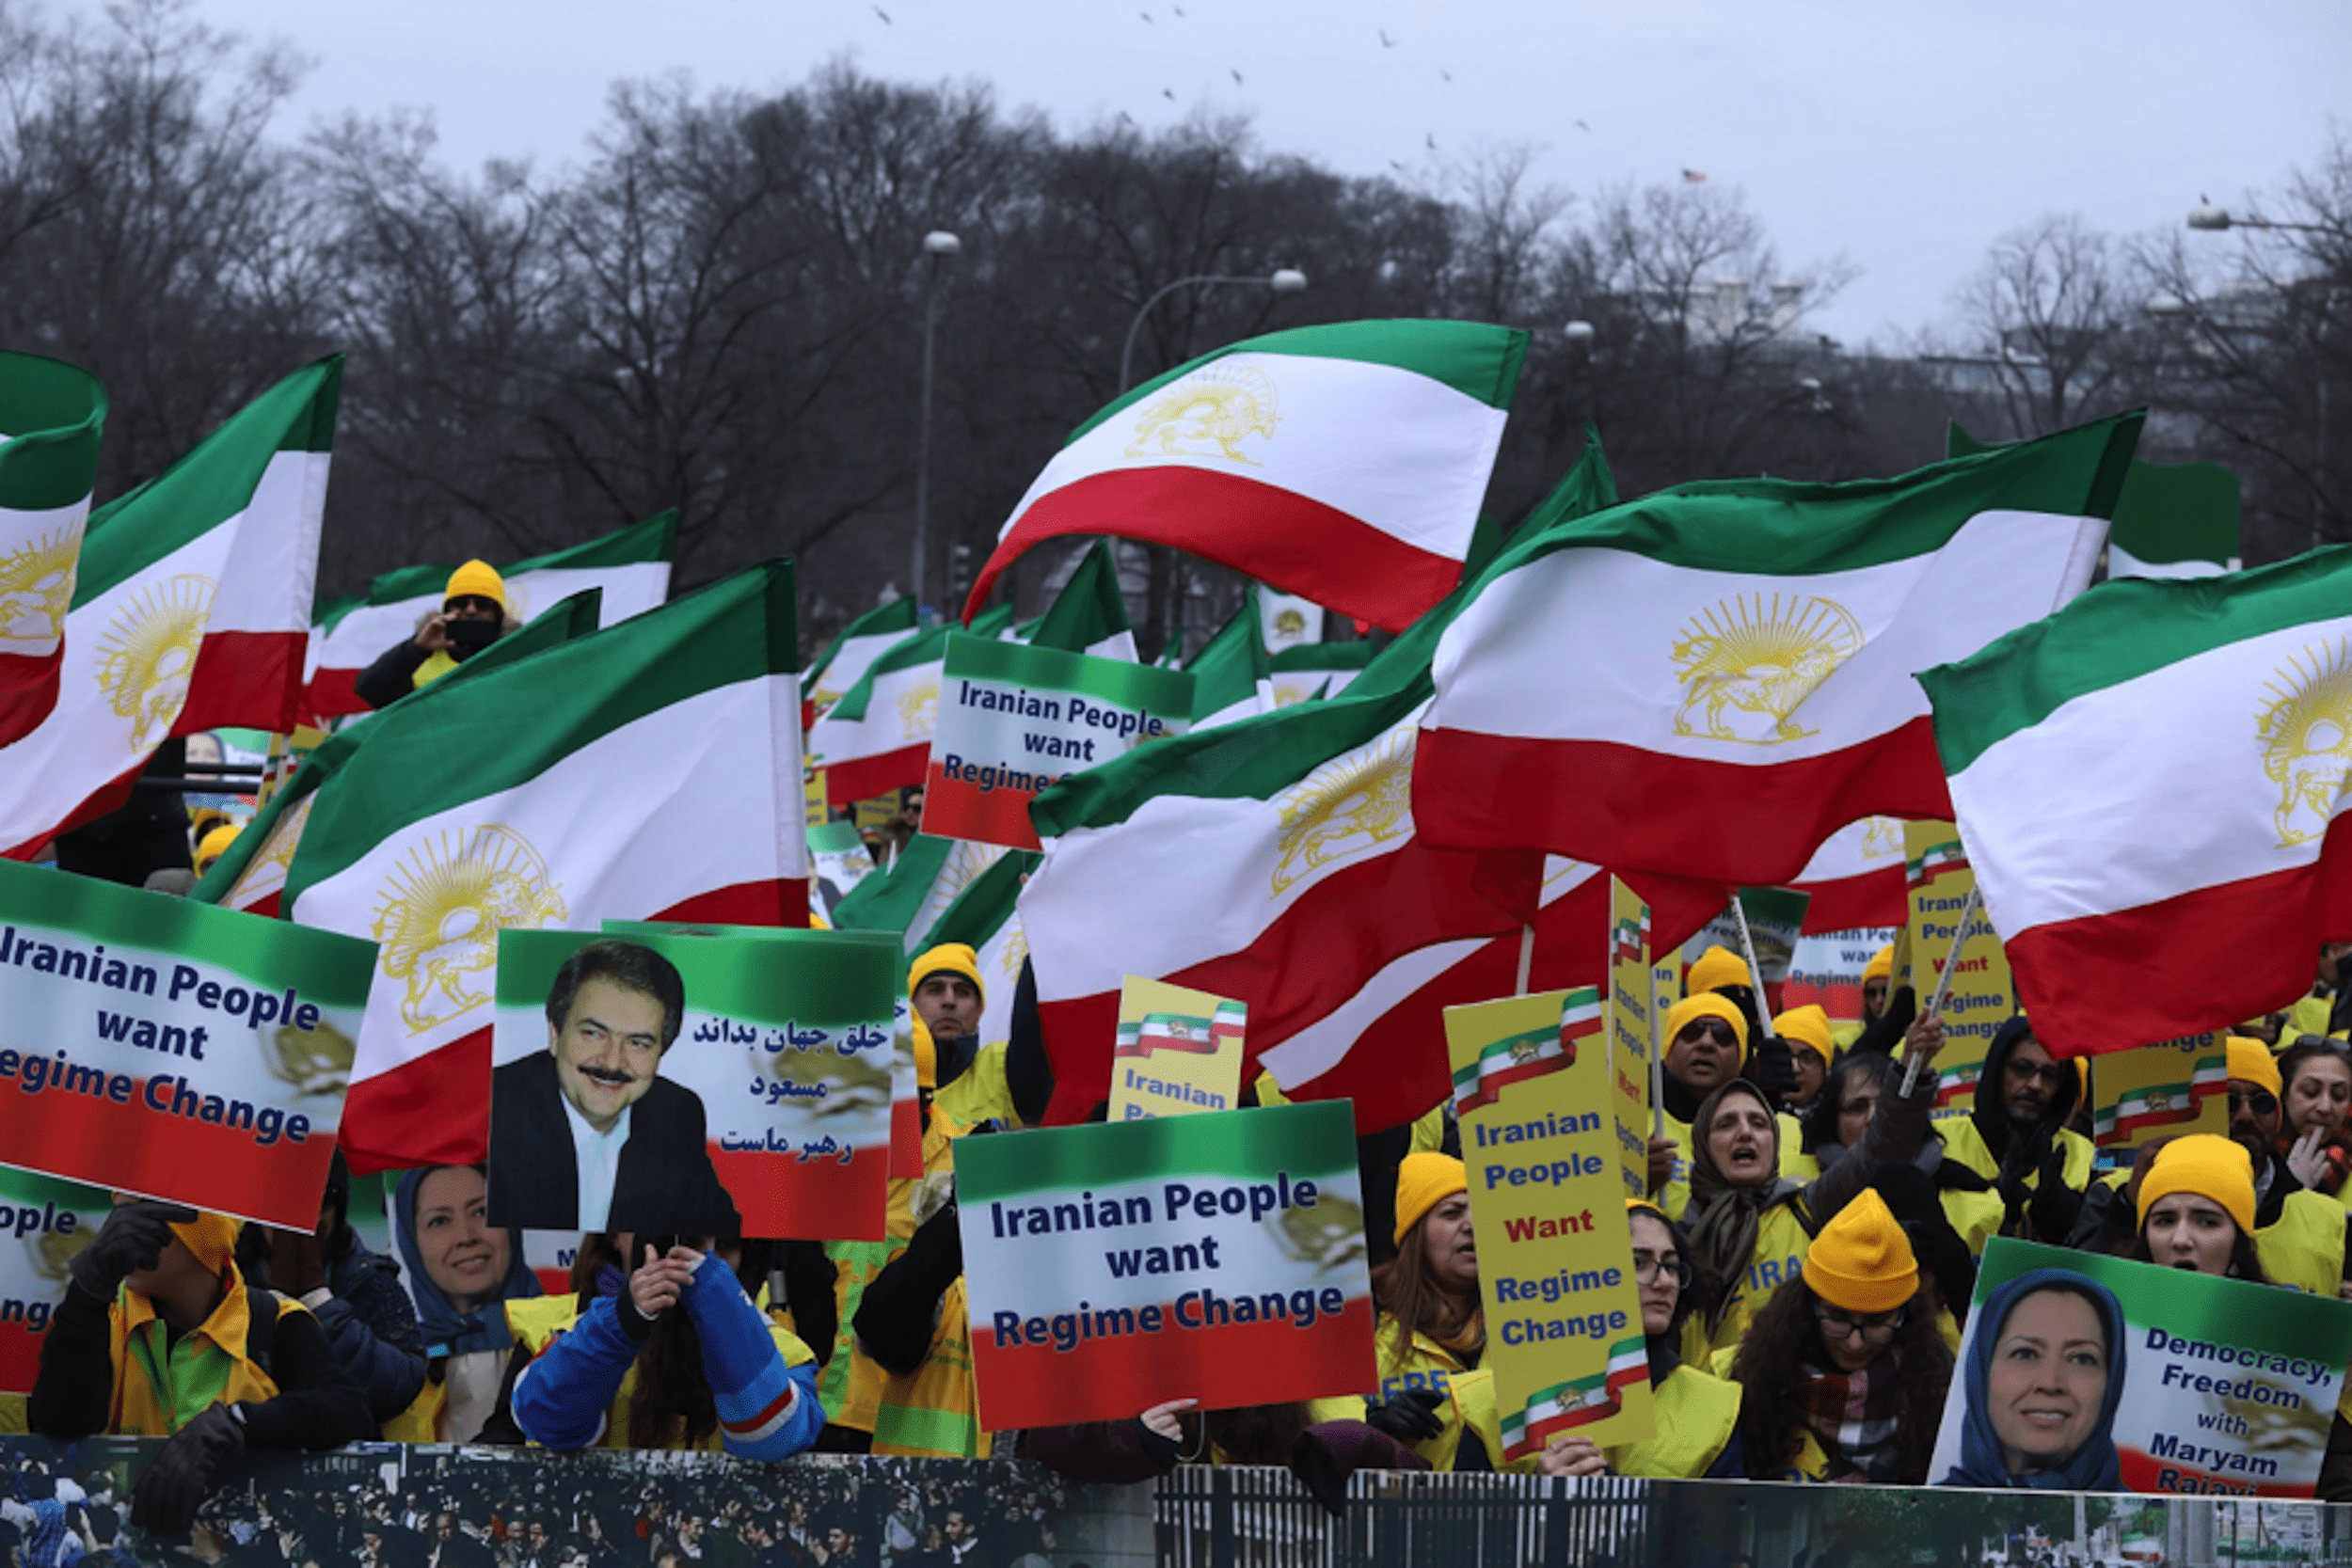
471,617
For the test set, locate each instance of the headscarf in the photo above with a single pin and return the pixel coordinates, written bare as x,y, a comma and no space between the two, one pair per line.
447,1330
2092,1467
1724,1218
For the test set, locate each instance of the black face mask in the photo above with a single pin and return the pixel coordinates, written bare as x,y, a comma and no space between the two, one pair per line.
468,637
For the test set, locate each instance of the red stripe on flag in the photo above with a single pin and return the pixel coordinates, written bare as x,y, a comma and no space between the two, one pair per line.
863,778
960,809
1600,801
1849,902
1281,537
824,1200
2201,961
1224,1367
435,1110
28,690
20,1354
251,680
332,694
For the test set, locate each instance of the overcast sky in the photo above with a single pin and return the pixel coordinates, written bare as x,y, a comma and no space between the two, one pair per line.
1906,136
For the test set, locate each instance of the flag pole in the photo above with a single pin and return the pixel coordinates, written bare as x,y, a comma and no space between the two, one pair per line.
1656,1055
1527,958
1943,982
270,780
1756,971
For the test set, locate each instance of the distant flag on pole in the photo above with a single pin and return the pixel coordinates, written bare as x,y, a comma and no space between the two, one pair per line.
51,414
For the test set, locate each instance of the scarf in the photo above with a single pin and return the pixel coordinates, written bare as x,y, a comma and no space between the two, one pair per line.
1855,1415
1724,1218
447,1330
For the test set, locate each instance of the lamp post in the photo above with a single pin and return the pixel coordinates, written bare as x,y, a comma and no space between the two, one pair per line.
2217,219
1282,280
937,246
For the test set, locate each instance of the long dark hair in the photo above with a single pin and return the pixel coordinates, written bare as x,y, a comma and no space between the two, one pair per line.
1820,1117
2245,1261
671,1388
1770,1368
1405,1288
2290,1061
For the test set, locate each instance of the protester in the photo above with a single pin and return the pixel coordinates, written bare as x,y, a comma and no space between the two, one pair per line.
159,1336
1429,1335
2042,1380
2317,1076
214,844
2015,1137
1836,1121
1696,1415
1843,1375
1751,1226
2196,1207
471,617
1318,1441
1811,1052
461,1271
1707,1044
669,1353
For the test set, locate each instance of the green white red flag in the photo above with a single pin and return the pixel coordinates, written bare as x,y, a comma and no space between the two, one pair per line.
850,654
1745,650
51,416
878,736
1856,878
1345,463
1089,614
1316,670
1579,1402
650,770
1233,677
191,611
630,565
2149,786
1517,1059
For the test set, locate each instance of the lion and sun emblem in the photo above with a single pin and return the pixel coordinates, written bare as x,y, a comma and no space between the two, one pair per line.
1747,664
443,907
1353,804
147,656
2306,735
36,591
1209,413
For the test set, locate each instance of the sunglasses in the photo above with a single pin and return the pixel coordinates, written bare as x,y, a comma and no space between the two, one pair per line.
1708,1028
2261,1102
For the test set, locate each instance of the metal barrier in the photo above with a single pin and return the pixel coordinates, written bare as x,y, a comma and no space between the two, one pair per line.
1220,1517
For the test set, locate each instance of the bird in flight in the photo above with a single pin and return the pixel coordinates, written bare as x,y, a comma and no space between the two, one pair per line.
1447,75
1395,164
1180,10
1433,141
1237,81
1169,93
1580,125
1146,15
1386,42
884,15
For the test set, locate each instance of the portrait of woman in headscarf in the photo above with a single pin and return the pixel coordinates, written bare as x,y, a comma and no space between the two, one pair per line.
2043,1375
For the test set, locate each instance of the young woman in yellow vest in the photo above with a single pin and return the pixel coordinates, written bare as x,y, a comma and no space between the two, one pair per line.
1842,1376
671,1354
1750,1225
1696,1413
159,1336
461,1271
1430,1335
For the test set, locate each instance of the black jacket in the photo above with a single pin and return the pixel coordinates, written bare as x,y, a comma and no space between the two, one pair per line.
665,1183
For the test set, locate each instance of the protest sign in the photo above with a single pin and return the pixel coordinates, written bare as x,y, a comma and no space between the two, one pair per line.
1826,972
1775,917
2161,1091
814,810
2227,1387
754,1072
838,862
1217,1257
1627,1008
43,1222
1178,1050
1555,1257
1013,719
174,1049
1981,997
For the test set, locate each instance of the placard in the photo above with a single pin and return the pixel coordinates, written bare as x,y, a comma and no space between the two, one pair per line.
172,1048
1113,1267
2161,1091
766,1114
1555,1256
43,1222
1013,719
1178,1052
1627,1009
2227,1387
1982,998
1776,919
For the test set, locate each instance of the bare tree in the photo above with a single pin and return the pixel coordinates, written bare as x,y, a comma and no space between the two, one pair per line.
2056,314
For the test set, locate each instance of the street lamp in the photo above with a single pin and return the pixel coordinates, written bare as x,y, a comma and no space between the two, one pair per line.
2215,219
1579,335
938,245
1282,280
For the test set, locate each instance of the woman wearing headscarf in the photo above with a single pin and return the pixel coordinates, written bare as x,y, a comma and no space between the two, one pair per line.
1696,1415
461,1271
2045,1374
1748,1225
1842,1378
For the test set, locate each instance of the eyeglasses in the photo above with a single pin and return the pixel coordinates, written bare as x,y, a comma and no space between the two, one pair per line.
2261,1102
1708,1028
2052,1074
1648,1266
1874,1331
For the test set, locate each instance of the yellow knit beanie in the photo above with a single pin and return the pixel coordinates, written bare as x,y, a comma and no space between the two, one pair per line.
1882,965
1807,1026
214,844
1716,968
2207,1165
1862,1260
1705,1004
476,579
949,957
2251,1060
1424,1182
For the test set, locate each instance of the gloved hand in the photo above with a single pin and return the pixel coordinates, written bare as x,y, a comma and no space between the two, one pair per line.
1410,1417
2055,1206
168,1496
133,1238
1775,1074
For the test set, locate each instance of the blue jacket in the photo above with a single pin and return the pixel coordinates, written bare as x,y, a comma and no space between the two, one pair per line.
373,1326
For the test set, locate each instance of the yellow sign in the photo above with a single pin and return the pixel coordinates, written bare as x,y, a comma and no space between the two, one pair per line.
1629,1008
813,797
1982,997
2161,1091
1555,1257
1178,1050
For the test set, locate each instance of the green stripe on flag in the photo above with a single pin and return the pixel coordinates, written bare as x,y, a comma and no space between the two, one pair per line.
1164,692
980,911
654,539
897,616
924,648
2119,631
1089,610
1309,1143
1476,360
52,415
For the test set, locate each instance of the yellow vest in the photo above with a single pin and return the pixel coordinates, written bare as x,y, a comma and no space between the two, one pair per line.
437,664
2303,1249
1470,1395
934,1413
537,1324
421,1422
1795,1163
161,1386
1697,1413
1976,1215
12,1420
1962,1141
1674,1197
851,1384
1781,1244
980,1092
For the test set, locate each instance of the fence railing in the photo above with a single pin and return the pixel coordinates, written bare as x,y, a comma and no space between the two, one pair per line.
1218,1517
